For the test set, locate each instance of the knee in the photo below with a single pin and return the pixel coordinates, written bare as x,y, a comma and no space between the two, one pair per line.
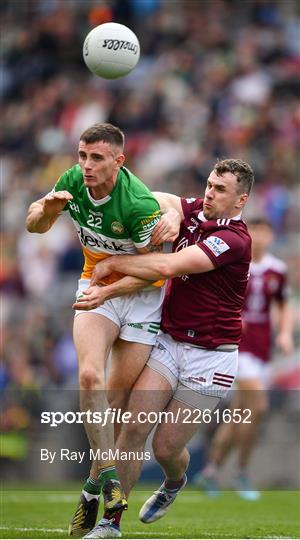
164,450
131,436
90,378
117,398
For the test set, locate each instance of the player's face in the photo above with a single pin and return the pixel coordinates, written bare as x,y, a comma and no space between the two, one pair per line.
99,162
262,237
221,198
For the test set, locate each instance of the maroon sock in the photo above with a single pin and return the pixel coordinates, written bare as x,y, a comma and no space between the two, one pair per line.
174,484
117,517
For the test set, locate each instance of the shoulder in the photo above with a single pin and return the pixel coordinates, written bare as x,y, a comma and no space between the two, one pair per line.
235,230
133,185
72,178
239,227
191,205
134,194
227,236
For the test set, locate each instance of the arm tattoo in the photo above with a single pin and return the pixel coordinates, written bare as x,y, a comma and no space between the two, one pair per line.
156,249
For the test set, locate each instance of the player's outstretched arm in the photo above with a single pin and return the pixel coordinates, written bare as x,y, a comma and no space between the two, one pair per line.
44,212
155,266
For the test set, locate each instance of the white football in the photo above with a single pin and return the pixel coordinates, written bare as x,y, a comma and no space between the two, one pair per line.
111,50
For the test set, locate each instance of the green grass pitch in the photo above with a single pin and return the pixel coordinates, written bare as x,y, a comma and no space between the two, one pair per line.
45,513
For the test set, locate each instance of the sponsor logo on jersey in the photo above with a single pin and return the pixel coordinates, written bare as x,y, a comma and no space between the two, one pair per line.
117,227
216,245
190,200
97,242
150,218
74,206
147,229
151,224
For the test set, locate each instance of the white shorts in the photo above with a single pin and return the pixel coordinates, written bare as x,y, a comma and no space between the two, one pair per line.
186,367
137,315
251,367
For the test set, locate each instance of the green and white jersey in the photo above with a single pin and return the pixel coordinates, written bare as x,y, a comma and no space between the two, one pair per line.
118,224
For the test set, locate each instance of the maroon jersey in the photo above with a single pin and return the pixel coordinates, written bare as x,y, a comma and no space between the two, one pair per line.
267,283
205,309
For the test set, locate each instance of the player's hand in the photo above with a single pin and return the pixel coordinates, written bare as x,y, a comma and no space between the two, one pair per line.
101,270
55,202
91,298
285,342
167,228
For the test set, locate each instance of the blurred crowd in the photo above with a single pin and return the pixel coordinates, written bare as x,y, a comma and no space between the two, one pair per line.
216,78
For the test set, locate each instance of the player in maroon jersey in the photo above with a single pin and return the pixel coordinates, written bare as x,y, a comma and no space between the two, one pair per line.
194,361
267,286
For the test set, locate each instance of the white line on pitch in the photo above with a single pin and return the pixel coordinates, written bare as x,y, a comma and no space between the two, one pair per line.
27,529
36,529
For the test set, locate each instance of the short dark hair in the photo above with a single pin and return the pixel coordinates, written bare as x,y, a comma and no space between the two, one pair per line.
104,132
242,170
259,220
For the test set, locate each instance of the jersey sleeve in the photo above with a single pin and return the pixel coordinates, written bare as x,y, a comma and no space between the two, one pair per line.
189,205
145,216
61,183
223,247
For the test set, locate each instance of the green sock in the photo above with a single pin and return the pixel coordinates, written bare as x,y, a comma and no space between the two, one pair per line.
107,473
92,486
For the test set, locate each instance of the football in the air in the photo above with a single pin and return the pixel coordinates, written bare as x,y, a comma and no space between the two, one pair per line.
111,50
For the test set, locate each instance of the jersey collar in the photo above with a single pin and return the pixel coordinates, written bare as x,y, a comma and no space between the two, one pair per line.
203,219
97,202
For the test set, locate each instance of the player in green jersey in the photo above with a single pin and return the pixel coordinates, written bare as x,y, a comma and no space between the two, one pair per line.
114,213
